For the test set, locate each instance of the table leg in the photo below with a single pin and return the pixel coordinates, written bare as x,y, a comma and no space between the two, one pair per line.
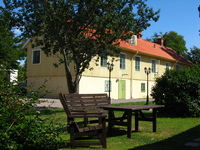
110,117
129,124
154,120
136,121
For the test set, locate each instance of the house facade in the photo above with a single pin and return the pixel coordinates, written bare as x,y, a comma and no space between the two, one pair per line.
128,78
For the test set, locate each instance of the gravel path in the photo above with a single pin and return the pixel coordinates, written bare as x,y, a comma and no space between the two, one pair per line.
55,103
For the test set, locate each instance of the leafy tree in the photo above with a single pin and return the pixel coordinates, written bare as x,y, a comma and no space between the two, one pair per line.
10,51
194,55
21,126
155,37
173,40
179,91
80,29
176,42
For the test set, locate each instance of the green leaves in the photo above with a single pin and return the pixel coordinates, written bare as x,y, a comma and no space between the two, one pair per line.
179,91
194,55
81,29
21,127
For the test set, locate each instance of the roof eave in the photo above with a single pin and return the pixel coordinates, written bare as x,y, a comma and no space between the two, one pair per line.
163,58
25,44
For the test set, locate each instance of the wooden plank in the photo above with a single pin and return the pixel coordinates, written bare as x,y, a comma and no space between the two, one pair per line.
86,106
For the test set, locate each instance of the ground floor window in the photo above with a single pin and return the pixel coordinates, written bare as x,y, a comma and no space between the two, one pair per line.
142,87
107,86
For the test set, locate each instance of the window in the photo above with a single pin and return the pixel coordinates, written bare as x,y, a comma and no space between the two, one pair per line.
142,87
177,67
122,61
167,65
137,63
107,86
36,57
153,66
103,61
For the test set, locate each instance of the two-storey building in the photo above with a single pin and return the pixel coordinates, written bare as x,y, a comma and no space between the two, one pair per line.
128,79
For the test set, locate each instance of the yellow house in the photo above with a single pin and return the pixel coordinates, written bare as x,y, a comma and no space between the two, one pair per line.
128,78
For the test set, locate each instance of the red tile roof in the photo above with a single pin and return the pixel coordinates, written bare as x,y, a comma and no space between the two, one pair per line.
154,49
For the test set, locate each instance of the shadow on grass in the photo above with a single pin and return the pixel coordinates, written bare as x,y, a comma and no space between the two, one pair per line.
176,142
116,132
119,131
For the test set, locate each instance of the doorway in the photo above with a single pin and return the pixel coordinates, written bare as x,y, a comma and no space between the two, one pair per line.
122,89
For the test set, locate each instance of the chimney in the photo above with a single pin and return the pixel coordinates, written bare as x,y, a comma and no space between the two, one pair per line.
139,35
133,40
160,41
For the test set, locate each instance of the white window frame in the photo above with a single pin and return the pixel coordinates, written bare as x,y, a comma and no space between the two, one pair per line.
153,66
33,56
124,61
137,69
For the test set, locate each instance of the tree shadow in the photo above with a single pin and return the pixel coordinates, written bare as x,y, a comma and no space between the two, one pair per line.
176,142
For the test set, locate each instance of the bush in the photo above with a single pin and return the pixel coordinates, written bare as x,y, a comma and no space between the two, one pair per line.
21,126
179,91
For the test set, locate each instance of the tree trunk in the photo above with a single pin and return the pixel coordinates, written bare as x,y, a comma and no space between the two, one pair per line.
72,85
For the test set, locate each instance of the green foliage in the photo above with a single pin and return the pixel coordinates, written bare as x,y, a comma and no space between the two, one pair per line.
179,91
175,41
194,55
80,30
21,126
172,40
10,44
9,48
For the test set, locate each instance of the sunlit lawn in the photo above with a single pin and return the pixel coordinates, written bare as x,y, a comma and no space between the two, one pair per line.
172,134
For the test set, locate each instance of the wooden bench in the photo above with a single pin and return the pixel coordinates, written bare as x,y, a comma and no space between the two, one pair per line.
85,106
87,102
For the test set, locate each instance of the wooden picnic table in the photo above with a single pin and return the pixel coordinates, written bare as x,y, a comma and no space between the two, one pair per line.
126,119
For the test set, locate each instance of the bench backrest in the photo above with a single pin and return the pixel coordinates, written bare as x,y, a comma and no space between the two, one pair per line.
83,102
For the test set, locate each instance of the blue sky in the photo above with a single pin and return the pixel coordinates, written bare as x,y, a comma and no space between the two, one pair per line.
180,16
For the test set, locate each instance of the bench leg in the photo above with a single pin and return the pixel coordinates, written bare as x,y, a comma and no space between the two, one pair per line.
72,138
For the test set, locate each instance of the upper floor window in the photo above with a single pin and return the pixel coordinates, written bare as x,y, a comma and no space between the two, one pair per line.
137,63
167,65
103,62
153,66
122,61
36,57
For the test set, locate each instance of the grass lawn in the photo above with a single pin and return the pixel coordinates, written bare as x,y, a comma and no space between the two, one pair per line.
172,133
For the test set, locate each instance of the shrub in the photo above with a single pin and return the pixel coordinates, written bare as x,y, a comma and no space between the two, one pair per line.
21,126
179,91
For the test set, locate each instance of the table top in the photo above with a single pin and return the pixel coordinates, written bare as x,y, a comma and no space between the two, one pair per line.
131,107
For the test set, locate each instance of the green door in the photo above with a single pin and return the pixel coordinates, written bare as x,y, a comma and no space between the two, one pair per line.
122,89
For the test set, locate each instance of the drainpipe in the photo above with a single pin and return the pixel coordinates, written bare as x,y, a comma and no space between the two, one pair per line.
131,82
175,64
